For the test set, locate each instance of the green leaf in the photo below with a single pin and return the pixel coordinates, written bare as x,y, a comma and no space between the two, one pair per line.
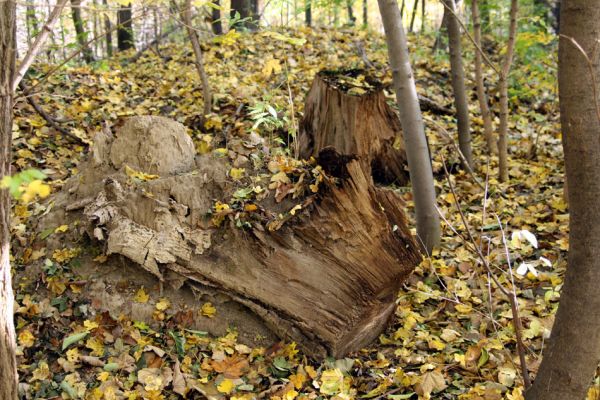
401,396
110,367
64,385
179,343
74,338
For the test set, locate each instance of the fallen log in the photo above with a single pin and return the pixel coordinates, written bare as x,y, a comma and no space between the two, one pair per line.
348,111
318,258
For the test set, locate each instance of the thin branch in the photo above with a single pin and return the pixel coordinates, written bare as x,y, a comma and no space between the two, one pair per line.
37,44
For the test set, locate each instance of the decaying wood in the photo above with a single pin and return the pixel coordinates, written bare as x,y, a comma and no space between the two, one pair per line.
362,124
325,277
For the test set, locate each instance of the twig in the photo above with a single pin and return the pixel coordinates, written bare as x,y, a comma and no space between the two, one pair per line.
590,66
37,44
50,120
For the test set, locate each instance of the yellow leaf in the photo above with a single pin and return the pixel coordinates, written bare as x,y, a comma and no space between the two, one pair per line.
271,66
298,380
96,346
139,175
237,173
141,296
26,338
62,228
73,355
226,386
250,207
208,310
90,325
163,304
290,395
35,188
42,372
103,376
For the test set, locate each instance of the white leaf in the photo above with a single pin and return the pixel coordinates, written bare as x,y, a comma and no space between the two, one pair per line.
546,262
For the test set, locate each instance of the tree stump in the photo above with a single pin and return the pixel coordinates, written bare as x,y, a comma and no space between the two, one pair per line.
348,111
318,266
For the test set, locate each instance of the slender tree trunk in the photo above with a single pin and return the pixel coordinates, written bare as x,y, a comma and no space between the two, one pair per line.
486,115
108,34
216,23
8,365
88,55
458,82
503,90
96,27
125,40
248,12
439,41
365,5
402,10
31,21
422,16
573,352
308,13
351,17
186,16
419,162
414,14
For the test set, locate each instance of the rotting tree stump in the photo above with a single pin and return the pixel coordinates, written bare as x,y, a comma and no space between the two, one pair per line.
324,273
348,111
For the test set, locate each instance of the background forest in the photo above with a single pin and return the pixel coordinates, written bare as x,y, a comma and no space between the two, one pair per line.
262,88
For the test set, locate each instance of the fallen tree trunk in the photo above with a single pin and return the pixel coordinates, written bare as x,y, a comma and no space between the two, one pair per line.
348,111
318,258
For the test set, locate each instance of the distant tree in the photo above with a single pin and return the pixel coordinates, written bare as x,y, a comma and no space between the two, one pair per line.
458,81
216,22
108,33
80,31
351,17
413,15
31,21
125,40
8,344
573,352
247,11
308,12
365,13
419,162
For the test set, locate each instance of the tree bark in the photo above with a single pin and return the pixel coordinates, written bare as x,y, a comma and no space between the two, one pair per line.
362,124
419,162
458,82
186,16
365,5
108,34
351,17
423,16
125,40
216,22
325,276
413,16
80,31
486,115
503,91
573,352
248,13
308,13
439,41
8,344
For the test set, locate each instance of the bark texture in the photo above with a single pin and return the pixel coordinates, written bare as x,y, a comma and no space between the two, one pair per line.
361,124
8,343
573,353
186,15
458,82
108,32
325,276
419,162
125,40
80,31
503,90
486,115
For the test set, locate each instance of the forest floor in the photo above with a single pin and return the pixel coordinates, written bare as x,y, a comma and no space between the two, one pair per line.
452,336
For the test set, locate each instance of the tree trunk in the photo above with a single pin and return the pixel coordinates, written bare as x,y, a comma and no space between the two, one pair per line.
439,41
108,34
351,17
361,124
8,343
413,16
419,162
365,5
503,90
186,16
247,10
125,40
324,275
308,13
422,16
82,39
216,22
458,82
573,352
486,115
